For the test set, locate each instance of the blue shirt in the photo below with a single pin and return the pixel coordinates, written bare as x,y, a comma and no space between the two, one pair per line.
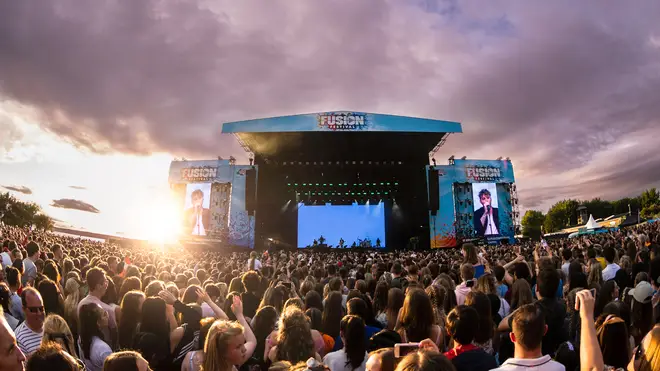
502,289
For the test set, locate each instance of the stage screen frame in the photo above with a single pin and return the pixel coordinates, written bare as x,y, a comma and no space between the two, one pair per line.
206,212
478,209
325,225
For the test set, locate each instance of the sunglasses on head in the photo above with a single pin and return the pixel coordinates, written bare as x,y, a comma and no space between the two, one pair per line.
36,309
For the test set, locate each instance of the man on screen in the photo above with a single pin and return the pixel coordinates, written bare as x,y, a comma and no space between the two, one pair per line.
486,220
197,218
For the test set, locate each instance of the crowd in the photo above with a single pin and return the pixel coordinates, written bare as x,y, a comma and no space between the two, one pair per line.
590,303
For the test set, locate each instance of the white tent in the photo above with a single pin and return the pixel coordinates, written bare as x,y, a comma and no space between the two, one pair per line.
591,224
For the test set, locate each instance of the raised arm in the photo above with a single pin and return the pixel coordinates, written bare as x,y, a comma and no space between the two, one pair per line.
219,313
591,357
250,339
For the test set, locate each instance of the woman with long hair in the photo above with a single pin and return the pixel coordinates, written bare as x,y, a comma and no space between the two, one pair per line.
131,311
315,317
294,341
93,347
647,354
263,324
437,296
333,312
612,336
313,300
415,322
486,328
353,356
395,299
5,294
52,298
72,290
275,297
488,285
608,292
595,278
380,303
470,256
129,284
56,330
448,283
52,272
521,294
229,344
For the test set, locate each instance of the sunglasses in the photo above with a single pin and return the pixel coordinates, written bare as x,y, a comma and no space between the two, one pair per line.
36,309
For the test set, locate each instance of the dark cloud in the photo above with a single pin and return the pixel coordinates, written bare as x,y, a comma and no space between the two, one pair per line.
19,189
67,203
77,187
552,85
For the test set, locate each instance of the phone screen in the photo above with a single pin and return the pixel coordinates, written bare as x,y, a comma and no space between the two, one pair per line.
403,349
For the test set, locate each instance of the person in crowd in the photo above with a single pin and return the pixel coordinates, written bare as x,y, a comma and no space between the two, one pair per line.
5,294
53,358
315,317
11,356
353,355
609,272
229,344
72,289
56,330
131,311
477,261
462,326
608,292
647,353
613,339
436,294
294,342
250,297
486,334
595,278
395,299
416,319
126,361
50,293
380,303
14,282
333,312
93,347
29,267
641,310
467,277
381,360
499,307
195,358
30,332
253,263
97,283
425,360
358,307
529,327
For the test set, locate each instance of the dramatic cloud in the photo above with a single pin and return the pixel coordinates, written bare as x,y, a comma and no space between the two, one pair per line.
67,203
552,85
77,187
20,189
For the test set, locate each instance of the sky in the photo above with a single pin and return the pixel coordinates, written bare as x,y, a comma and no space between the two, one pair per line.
96,98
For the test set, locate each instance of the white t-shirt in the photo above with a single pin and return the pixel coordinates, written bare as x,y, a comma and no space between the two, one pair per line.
257,264
6,259
30,271
198,229
28,340
544,363
491,228
610,271
98,352
336,361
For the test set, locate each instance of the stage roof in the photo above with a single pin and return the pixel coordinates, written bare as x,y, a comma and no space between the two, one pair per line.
341,135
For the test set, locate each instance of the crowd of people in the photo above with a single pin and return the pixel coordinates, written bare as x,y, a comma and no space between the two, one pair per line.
589,303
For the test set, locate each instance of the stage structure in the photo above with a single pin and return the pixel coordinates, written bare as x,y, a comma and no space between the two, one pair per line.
341,178
344,179
472,200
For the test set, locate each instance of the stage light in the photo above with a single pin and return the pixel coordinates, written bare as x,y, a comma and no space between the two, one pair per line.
289,184
382,183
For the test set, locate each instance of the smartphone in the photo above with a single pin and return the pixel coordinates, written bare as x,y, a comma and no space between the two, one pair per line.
469,283
287,284
403,349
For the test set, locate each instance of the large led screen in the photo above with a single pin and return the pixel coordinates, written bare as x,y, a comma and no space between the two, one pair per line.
486,217
327,224
197,213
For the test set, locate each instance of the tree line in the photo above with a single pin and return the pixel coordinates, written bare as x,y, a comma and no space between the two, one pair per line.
564,213
22,214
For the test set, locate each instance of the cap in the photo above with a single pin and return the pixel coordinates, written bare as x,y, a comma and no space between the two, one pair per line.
642,293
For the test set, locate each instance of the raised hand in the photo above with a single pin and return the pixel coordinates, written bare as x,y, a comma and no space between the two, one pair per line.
167,297
237,306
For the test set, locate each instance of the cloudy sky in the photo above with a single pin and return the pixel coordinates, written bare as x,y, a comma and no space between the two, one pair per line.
97,97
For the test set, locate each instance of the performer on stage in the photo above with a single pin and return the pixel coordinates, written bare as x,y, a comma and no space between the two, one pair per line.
197,218
486,218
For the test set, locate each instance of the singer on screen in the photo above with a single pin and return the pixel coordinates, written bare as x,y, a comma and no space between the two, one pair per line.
486,220
197,218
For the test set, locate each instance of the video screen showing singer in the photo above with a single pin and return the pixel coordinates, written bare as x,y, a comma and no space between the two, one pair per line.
197,218
486,219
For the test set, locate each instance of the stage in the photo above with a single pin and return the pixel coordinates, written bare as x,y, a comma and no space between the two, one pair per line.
348,177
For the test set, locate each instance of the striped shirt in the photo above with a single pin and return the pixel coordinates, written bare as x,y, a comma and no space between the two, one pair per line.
28,340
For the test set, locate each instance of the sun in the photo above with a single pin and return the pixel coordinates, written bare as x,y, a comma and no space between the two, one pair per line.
162,222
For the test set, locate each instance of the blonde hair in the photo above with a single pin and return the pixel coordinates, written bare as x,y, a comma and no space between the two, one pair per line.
57,331
220,333
595,274
72,291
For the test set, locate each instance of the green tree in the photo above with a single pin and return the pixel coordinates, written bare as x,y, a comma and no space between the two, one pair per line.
532,222
649,198
599,208
650,212
561,215
22,214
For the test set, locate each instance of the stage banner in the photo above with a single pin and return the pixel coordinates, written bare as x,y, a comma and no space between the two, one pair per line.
469,188
219,189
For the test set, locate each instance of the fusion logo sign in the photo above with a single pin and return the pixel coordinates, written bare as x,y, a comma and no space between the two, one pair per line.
343,121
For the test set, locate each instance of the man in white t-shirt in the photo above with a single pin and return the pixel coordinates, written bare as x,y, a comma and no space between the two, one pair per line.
611,268
30,332
98,284
29,268
528,330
